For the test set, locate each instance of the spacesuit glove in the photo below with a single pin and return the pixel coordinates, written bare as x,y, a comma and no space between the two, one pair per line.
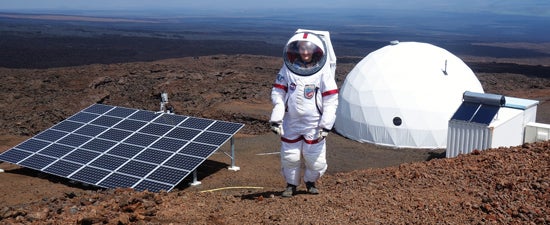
277,128
323,133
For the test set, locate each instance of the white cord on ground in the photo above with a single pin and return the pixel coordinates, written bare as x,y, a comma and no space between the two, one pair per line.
269,153
226,188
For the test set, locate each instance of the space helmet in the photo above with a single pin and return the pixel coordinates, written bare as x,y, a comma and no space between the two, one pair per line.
305,54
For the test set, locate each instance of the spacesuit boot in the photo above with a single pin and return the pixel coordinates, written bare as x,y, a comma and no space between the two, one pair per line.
310,186
289,191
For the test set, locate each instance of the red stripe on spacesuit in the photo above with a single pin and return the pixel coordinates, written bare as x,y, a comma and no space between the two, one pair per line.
305,36
299,139
331,92
280,87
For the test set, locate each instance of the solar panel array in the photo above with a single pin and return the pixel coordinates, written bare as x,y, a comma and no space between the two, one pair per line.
110,146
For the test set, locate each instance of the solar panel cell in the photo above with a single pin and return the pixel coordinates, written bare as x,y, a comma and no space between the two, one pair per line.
108,162
141,139
144,116
81,156
170,119
89,175
197,123
118,180
169,144
130,125
106,121
51,135
184,162
153,156
198,149
74,140
155,129
68,126
183,133
225,127
62,168
56,150
121,112
83,117
37,161
115,134
212,138
98,108
32,145
136,168
152,186
125,150
99,145
168,175
90,130
14,156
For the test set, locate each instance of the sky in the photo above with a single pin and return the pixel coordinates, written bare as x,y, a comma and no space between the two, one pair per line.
523,7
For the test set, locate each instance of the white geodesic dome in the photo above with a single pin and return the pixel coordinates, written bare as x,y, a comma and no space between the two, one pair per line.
403,95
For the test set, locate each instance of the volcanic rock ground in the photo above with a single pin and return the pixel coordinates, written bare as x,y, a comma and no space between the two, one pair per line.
365,184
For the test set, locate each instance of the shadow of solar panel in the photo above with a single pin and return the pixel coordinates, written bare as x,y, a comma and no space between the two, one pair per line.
111,146
90,130
14,156
99,145
62,168
108,162
56,150
51,135
37,162
118,180
152,186
196,123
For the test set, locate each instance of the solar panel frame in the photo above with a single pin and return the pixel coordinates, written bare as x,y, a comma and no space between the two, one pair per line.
111,146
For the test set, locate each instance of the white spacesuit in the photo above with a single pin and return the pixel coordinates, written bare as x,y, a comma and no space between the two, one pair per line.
305,98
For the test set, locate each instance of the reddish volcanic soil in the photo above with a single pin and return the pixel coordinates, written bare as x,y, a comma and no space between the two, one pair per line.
365,184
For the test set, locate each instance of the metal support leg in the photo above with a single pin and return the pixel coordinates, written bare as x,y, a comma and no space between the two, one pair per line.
195,181
233,167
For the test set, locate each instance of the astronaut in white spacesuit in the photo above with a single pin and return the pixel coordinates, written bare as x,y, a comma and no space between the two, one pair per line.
305,98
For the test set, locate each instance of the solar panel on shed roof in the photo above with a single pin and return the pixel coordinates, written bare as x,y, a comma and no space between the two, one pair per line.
111,146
